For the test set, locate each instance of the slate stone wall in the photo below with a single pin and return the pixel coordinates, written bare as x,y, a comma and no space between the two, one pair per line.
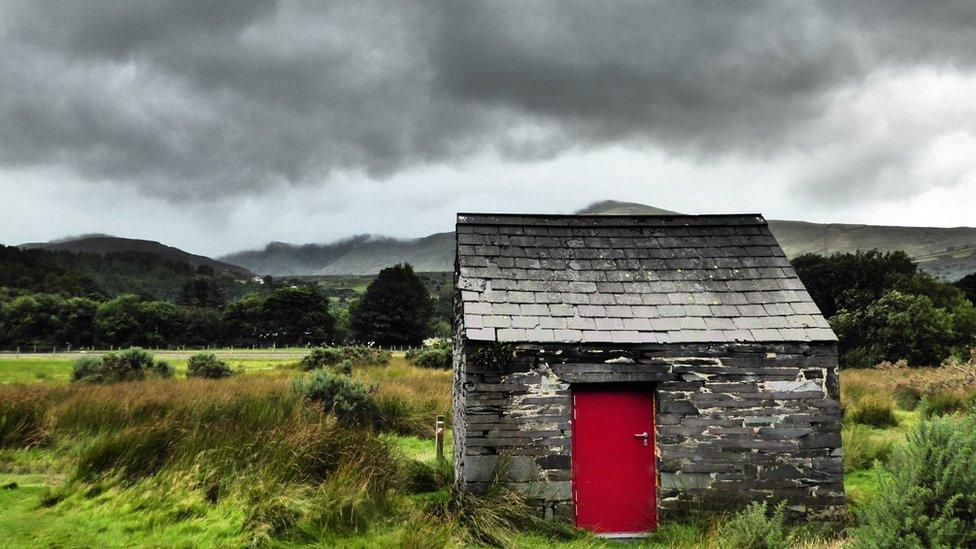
734,422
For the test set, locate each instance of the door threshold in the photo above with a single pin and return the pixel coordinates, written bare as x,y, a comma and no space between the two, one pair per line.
624,535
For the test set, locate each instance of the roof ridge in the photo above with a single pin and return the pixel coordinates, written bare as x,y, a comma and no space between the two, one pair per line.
608,220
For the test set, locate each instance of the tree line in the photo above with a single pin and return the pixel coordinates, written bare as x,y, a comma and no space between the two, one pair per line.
883,308
395,310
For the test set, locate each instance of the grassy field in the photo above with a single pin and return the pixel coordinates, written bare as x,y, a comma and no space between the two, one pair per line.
244,461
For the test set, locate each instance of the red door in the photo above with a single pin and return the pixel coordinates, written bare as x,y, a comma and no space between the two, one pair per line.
614,475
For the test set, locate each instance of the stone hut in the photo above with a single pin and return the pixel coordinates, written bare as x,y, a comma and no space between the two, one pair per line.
620,368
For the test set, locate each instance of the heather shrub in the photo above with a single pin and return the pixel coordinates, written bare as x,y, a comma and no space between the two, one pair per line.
927,498
862,447
130,365
350,401
207,365
874,411
756,527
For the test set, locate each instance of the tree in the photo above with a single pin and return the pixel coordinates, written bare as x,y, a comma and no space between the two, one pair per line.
243,321
202,291
395,310
298,315
968,286
851,280
897,326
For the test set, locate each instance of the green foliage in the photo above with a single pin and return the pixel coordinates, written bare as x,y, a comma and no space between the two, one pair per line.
862,447
133,364
434,357
940,403
321,357
494,356
897,326
296,316
207,365
756,527
132,453
906,396
422,476
349,400
927,496
202,291
967,285
396,309
883,309
494,518
851,280
875,412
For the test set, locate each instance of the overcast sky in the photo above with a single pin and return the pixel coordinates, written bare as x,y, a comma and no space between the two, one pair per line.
221,125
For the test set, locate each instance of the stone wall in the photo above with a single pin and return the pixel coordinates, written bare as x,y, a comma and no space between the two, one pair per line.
734,422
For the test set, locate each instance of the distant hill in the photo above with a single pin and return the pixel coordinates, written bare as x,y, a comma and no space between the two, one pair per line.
946,253
103,245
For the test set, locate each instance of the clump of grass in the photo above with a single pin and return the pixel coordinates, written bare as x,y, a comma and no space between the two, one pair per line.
906,396
862,448
941,403
494,518
422,477
875,411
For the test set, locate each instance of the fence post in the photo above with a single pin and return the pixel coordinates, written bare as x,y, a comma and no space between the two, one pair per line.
439,437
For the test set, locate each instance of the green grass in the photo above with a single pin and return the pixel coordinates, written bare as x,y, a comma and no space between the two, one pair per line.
58,370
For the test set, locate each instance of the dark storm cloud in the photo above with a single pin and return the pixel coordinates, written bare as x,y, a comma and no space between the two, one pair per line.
201,98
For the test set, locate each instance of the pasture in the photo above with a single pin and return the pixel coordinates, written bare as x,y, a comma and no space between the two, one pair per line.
245,461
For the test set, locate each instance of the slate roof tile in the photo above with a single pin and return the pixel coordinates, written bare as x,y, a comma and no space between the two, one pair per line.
629,279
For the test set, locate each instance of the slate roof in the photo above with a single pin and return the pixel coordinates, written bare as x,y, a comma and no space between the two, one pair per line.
629,279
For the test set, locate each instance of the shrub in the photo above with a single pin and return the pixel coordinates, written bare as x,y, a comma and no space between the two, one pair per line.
207,365
874,411
87,368
906,397
927,498
349,400
941,403
130,365
330,356
862,447
433,358
756,527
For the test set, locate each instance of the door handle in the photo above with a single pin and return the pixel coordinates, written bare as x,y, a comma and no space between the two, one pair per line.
642,436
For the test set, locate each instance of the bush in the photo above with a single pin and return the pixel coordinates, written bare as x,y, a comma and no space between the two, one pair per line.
433,358
906,397
207,365
756,527
331,356
349,400
941,403
927,498
130,365
862,447
874,411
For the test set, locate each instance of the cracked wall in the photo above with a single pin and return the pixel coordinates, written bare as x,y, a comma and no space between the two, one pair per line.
734,422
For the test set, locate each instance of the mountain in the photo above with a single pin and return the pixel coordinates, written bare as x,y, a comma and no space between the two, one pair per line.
948,253
103,245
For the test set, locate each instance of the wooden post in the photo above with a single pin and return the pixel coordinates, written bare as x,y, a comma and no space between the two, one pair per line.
439,437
